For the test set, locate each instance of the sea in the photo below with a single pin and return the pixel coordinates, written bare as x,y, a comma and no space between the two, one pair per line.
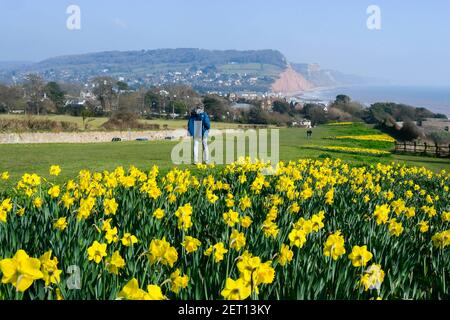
436,99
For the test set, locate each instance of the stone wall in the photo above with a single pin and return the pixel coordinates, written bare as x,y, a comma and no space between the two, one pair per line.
91,137
86,137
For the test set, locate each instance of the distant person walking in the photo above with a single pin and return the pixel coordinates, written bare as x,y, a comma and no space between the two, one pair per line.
309,134
198,128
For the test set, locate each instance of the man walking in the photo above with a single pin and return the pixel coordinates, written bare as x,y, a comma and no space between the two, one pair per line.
198,128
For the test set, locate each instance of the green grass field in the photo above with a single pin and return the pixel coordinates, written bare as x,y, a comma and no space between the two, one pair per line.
18,159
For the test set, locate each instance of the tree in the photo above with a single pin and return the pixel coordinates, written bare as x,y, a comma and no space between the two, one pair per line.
440,137
181,98
130,102
180,107
281,106
216,107
342,98
11,97
124,118
153,101
55,94
410,131
315,113
86,114
34,88
256,115
104,91
122,86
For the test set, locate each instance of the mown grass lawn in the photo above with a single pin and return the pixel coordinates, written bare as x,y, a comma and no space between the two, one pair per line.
18,159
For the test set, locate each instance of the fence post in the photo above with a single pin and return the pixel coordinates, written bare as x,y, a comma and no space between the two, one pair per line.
437,149
415,146
425,147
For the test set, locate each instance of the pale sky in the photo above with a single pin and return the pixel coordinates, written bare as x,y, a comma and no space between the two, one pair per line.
412,46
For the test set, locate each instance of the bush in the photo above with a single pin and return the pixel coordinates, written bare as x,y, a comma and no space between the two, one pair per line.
410,131
34,125
440,137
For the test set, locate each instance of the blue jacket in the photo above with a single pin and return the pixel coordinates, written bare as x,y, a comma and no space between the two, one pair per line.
203,117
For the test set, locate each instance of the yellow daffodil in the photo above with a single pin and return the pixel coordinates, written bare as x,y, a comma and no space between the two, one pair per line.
21,270
161,251
60,224
178,281
67,200
20,212
317,221
237,240
5,208
49,268
231,218
37,202
441,239
110,206
111,235
4,176
382,214
96,252
395,228
360,256
329,197
297,238
114,263
55,170
236,290
219,251
246,221
154,292
54,191
191,244
334,246
128,239
245,203
131,291
159,213
445,217
285,256
424,226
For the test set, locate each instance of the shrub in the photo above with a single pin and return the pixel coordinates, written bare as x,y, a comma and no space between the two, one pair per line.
35,125
440,137
410,131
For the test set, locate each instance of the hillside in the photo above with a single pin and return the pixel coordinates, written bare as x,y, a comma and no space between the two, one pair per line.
173,57
204,70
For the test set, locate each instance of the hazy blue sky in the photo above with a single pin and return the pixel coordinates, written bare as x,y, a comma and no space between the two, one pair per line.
412,46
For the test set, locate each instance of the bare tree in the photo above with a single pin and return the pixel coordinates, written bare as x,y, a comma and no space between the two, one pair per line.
11,97
34,89
104,91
